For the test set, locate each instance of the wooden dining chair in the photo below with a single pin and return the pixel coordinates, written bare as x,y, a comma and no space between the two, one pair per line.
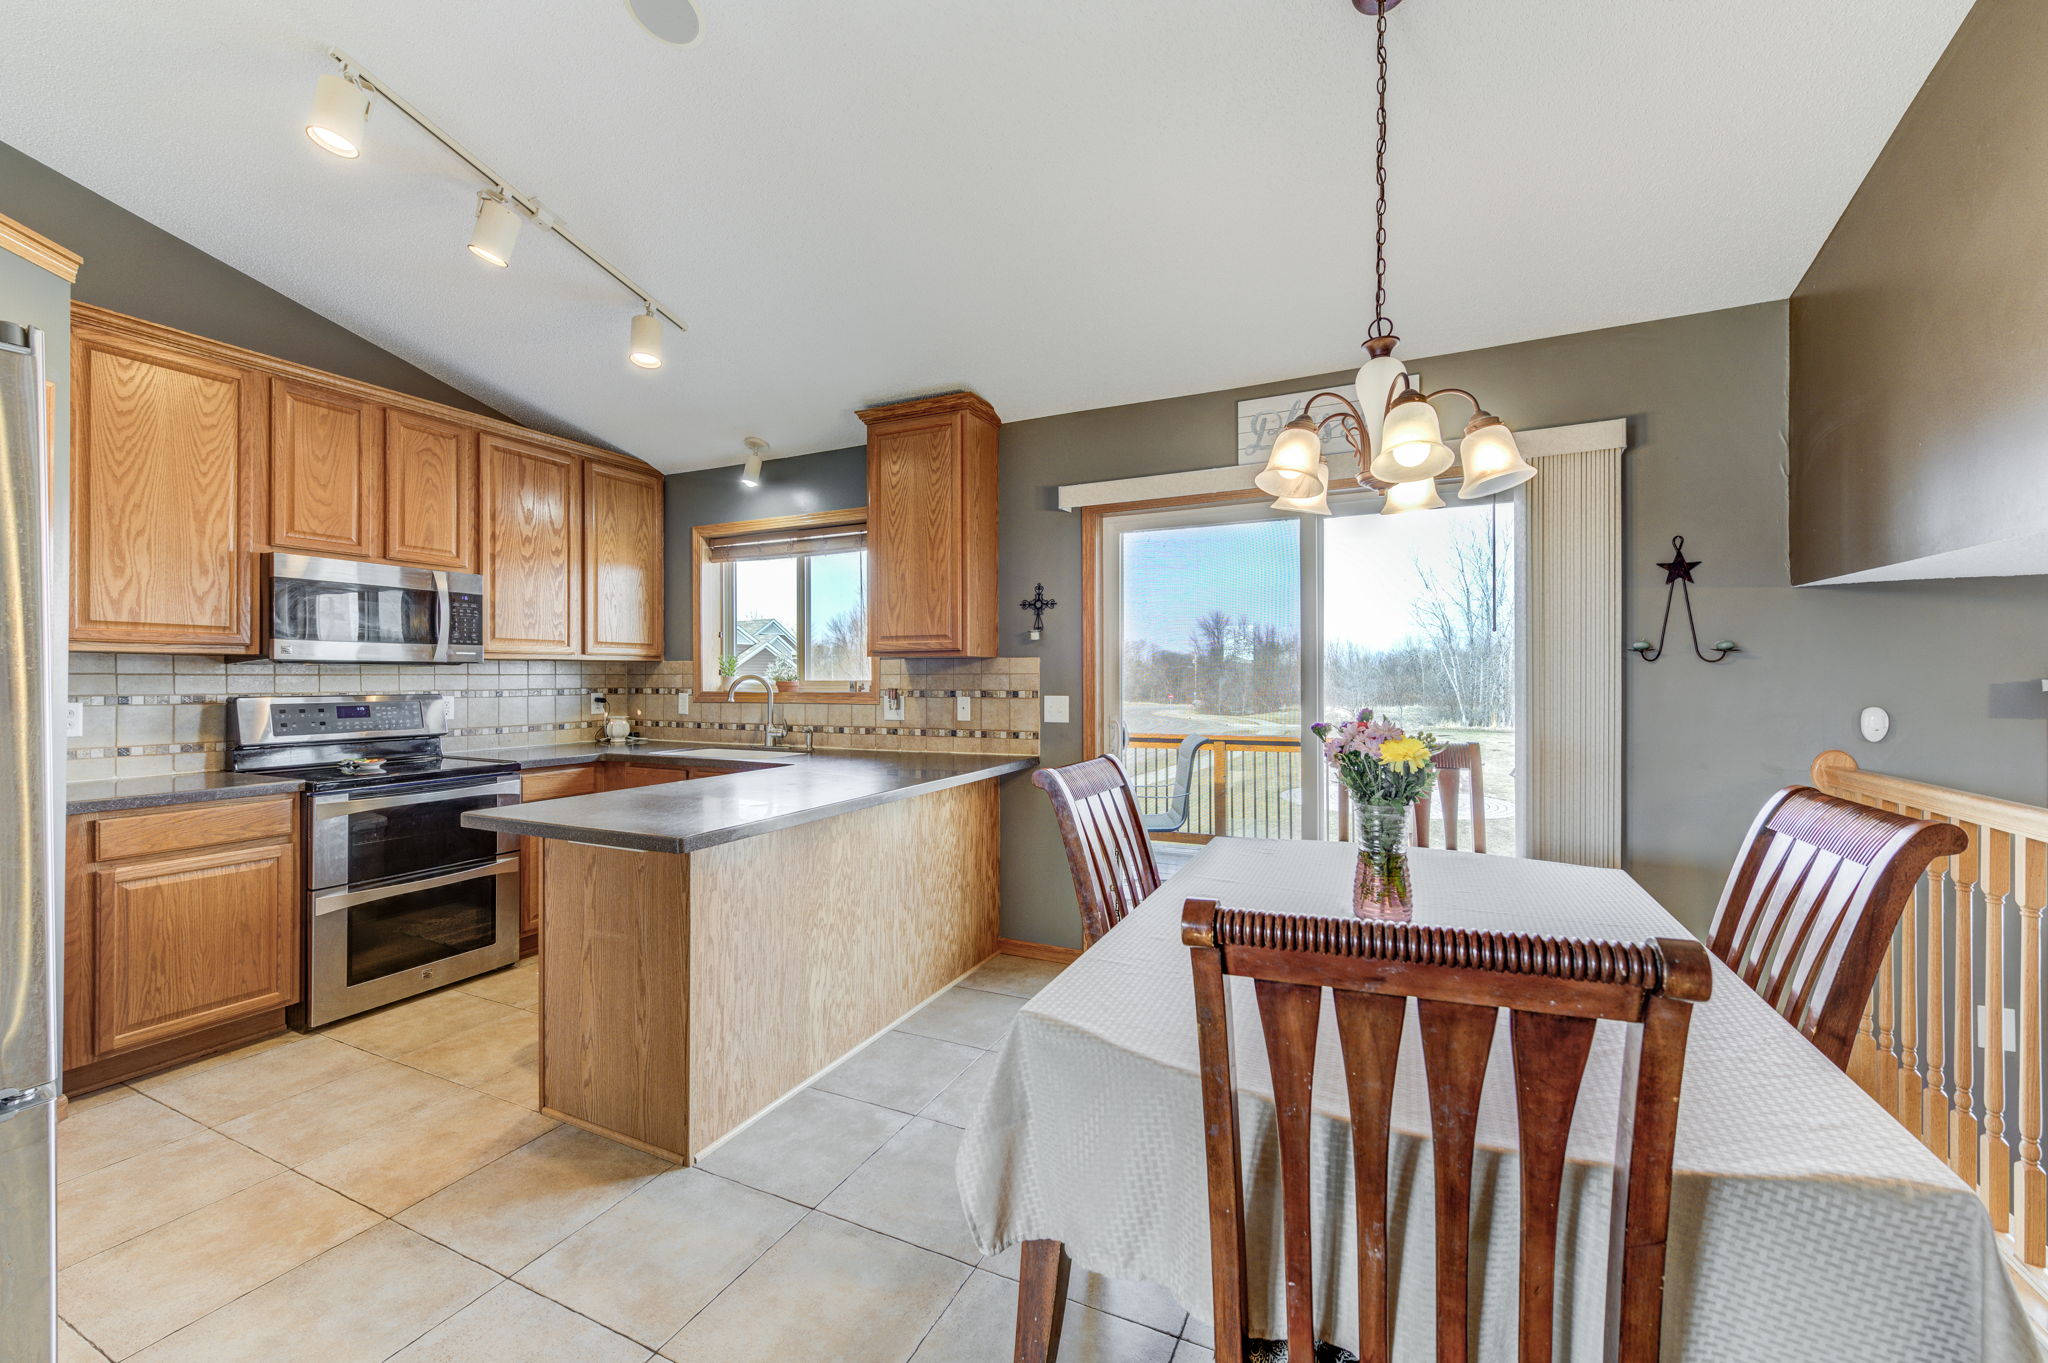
1554,992
1809,909
1104,836
1453,765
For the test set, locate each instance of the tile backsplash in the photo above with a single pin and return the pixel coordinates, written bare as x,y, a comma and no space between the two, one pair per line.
152,714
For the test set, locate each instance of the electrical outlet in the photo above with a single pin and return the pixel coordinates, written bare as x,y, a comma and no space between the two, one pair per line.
1055,709
2009,1034
892,706
597,702
74,719
963,707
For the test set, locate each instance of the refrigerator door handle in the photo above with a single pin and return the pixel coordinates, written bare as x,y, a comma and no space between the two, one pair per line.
14,1100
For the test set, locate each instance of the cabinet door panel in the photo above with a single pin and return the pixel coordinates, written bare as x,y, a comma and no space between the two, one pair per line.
622,514
429,491
914,537
532,535
167,473
187,942
325,467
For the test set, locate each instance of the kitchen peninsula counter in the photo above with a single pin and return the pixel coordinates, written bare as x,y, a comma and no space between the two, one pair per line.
709,945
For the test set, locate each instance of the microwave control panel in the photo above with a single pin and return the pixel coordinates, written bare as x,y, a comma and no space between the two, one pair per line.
465,619
331,717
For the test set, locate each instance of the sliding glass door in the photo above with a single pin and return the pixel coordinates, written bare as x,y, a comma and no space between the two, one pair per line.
1242,625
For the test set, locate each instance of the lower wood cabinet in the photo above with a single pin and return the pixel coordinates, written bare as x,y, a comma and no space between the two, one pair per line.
558,783
181,934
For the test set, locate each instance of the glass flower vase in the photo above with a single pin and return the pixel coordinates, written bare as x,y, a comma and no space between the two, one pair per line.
1381,887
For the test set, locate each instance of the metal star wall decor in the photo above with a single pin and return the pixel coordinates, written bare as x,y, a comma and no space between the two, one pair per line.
1678,578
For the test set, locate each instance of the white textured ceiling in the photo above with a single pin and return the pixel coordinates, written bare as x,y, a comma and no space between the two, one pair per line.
1061,204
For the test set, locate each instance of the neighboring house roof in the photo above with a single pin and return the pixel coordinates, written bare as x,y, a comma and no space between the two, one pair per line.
762,643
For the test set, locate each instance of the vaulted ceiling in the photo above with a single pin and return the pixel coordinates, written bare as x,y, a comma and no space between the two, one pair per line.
1062,205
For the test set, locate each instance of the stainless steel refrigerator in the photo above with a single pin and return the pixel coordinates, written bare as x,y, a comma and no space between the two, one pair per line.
31,886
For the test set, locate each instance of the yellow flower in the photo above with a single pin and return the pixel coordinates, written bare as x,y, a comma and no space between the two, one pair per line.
1405,754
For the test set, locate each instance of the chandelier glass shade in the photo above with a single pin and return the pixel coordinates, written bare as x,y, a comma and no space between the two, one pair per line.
1492,461
1291,467
1316,502
1420,495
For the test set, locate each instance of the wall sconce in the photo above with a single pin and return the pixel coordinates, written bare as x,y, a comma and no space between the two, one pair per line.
1038,605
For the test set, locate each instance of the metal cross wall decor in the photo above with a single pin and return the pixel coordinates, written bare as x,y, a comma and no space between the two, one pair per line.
1038,605
1678,578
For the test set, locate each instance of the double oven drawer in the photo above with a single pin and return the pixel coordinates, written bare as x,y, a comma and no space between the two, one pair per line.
358,838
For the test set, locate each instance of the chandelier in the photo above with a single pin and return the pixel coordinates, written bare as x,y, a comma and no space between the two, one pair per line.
1400,447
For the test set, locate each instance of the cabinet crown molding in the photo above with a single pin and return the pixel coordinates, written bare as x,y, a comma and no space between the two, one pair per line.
935,405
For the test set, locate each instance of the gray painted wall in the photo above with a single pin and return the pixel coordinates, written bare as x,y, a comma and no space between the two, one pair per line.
832,480
1957,663
144,271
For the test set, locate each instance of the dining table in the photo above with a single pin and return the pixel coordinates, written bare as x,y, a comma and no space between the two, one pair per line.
1807,1224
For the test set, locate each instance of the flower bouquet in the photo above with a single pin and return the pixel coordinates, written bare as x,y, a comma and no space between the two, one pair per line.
1387,771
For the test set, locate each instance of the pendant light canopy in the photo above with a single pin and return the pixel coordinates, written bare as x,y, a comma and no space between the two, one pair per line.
1393,427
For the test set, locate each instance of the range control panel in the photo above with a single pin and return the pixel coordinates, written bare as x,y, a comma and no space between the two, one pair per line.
313,718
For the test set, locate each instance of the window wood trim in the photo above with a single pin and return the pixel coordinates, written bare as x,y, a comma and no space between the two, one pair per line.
708,607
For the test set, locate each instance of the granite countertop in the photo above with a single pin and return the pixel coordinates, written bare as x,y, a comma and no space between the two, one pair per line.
688,816
142,792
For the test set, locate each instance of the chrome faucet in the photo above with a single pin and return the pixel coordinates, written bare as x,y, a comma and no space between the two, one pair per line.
769,733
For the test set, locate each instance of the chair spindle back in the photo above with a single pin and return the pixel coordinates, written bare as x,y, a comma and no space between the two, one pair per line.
1554,991
1809,909
1104,837
1453,765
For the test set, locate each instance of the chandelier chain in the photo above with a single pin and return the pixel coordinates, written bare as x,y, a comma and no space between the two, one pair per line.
1380,325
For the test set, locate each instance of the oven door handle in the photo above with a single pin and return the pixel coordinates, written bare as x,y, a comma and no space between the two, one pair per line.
335,806
332,901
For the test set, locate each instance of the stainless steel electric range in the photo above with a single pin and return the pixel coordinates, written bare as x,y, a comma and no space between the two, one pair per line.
400,897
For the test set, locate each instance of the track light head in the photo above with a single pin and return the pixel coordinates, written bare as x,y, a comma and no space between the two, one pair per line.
340,109
497,229
750,476
645,346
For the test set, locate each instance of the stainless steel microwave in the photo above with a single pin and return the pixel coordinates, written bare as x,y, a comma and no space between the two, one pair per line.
337,610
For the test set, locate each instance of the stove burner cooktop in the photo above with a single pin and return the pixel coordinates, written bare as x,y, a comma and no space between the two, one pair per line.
351,774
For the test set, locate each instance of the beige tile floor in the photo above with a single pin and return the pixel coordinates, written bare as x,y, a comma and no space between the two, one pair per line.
385,1189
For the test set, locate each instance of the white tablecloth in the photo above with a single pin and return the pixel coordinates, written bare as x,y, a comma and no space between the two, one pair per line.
1807,1225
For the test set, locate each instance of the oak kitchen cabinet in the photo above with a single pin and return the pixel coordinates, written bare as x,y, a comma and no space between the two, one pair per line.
167,479
532,547
181,933
932,527
622,549
326,470
191,457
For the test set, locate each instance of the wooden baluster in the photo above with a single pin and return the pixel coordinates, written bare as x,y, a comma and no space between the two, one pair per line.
1962,1144
1997,1157
2033,1181
1912,1098
1934,1117
1887,1067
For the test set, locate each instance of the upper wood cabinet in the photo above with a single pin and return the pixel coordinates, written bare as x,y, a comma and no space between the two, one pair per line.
622,561
429,491
532,534
932,527
326,467
167,476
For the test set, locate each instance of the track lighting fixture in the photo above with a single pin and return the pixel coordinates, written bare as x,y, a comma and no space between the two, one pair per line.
341,105
750,476
496,231
645,347
340,108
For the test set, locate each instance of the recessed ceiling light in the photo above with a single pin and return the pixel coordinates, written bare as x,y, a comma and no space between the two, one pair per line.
672,21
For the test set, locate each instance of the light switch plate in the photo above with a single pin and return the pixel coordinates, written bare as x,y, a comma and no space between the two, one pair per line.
1055,709
892,706
963,707
74,719
682,702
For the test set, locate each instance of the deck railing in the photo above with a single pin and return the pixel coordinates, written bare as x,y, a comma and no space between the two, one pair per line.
1952,1042
1247,787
